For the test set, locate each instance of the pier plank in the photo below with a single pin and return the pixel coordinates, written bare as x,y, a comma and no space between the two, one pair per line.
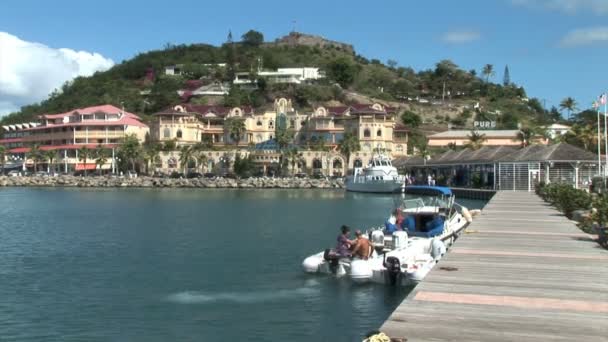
518,248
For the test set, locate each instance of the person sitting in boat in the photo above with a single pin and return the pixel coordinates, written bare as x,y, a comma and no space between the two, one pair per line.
394,222
362,247
344,244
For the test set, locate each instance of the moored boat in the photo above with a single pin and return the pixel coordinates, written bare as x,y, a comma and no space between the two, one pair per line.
380,176
404,251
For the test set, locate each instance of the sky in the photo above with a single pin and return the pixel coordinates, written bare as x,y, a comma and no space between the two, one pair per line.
554,48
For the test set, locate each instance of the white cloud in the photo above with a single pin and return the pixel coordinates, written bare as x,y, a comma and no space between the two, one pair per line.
461,36
598,7
30,71
587,36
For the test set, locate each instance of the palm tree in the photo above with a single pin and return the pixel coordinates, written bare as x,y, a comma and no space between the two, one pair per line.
185,156
488,71
51,156
582,135
199,156
83,155
476,140
130,150
101,158
151,155
568,104
529,135
35,155
236,129
293,156
2,157
349,145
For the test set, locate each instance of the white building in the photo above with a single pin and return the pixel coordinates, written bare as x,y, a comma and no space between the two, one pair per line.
283,75
555,130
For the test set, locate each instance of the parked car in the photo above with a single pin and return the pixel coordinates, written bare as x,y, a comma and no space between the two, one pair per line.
229,175
194,175
209,175
318,175
14,173
41,174
176,174
300,175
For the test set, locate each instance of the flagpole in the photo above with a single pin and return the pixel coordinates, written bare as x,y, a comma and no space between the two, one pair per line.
605,134
599,142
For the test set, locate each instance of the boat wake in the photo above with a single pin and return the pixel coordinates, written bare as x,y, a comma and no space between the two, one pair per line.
200,297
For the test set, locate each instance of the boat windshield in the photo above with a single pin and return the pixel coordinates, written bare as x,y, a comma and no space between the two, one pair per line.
410,202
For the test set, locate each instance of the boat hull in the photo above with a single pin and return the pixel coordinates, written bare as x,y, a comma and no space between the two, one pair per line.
373,186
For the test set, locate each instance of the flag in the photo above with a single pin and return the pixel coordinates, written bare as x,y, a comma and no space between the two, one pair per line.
603,99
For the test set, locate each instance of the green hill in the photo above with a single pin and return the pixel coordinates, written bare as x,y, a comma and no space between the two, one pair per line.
139,84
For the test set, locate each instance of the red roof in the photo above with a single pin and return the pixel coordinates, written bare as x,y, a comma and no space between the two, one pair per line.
205,109
126,119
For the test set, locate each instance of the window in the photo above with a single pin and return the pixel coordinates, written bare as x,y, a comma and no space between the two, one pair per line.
379,133
367,133
179,133
292,123
271,124
258,123
399,148
167,133
316,164
358,163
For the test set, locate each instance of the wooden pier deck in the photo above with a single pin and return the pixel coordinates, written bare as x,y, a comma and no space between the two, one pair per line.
522,272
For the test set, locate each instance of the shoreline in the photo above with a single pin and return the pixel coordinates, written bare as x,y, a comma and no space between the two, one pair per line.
156,182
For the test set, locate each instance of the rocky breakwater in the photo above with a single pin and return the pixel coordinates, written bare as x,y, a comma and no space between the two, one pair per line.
151,182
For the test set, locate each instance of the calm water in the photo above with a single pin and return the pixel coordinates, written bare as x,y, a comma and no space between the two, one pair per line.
181,265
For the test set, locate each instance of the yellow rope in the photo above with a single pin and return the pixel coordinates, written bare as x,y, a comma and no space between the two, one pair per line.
381,337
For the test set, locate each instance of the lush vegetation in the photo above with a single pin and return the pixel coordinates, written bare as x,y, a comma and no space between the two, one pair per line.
139,84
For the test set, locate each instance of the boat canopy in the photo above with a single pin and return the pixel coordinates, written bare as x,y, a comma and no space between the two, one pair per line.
428,190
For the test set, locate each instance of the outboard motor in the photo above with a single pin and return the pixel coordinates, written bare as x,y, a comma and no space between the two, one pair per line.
393,269
399,239
377,239
332,259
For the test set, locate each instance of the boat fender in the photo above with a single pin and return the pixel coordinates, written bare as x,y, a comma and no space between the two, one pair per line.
393,269
467,215
437,249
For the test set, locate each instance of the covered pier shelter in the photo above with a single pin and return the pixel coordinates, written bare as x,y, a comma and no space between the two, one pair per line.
505,167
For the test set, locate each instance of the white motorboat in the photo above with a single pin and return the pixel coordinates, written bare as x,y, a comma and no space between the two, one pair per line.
380,176
402,255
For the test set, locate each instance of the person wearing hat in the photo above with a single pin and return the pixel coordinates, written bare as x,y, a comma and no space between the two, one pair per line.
362,247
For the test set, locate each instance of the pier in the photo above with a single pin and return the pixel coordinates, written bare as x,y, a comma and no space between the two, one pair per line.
521,272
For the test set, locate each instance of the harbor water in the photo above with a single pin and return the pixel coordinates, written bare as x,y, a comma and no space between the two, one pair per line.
182,265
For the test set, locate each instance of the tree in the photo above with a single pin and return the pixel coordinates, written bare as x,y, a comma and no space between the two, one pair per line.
568,104
252,38
293,157
101,157
349,145
206,141
185,157
476,140
2,158
411,119
83,155
506,80
130,150
391,63
151,154
342,70
50,156
236,129
525,136
487,72
35,155
199,156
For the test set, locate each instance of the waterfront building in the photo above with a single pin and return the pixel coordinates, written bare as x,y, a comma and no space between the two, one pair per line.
65,133
322,130
506,167
492,138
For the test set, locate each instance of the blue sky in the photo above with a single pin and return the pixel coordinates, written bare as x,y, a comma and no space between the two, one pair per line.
555,48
